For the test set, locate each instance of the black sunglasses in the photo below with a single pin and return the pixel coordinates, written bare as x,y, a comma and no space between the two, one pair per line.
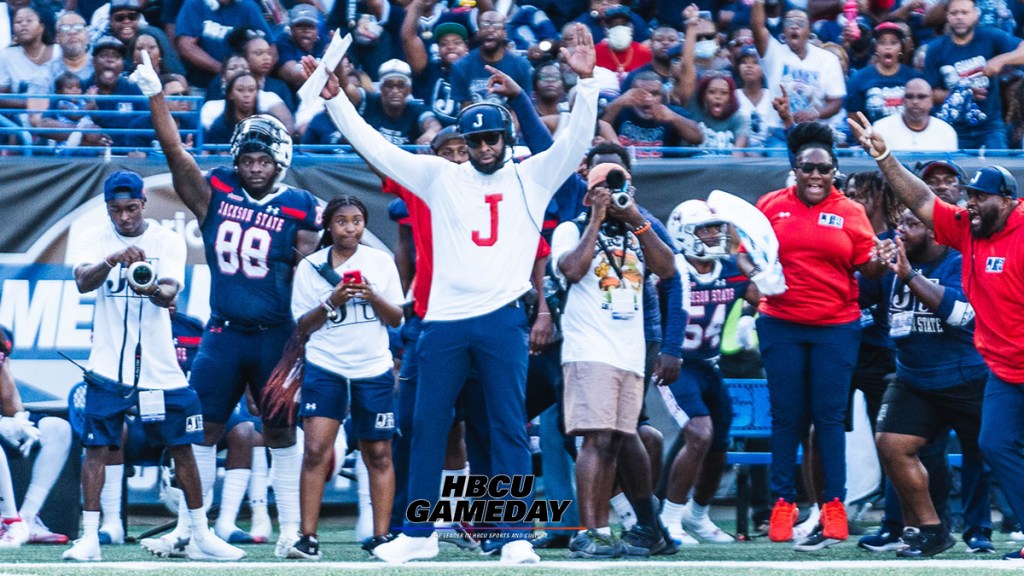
707,36
126,17
821,167
489,138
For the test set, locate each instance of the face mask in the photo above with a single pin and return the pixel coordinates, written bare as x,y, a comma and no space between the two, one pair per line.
705,49
620,37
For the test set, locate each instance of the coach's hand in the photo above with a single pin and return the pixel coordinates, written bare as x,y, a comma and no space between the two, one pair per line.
333,86
582,57
540,333
502,84
146,77
863,132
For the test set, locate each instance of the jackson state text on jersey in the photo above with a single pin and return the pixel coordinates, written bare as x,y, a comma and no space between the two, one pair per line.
711,298
249,248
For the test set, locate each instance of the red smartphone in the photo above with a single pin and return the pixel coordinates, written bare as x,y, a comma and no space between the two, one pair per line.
352,277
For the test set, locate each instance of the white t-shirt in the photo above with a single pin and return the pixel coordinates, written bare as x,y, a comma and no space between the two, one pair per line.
809,81
356,345
591,331
165,250
23,76
486,227
213,109
762,116
938,136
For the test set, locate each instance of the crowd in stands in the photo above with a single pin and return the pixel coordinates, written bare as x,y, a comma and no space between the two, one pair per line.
714,75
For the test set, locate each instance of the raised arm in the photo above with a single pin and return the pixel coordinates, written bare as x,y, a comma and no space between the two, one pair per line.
186,177
910,189
415,172
412,45
759,27
535,132
687,84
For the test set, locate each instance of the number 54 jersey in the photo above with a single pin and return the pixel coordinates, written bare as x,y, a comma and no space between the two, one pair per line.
711,298
249,248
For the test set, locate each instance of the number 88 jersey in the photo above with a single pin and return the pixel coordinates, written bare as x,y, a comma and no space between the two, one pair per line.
711,298
249,248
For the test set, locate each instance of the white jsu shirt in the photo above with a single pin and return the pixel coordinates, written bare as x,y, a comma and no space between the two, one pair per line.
356,344
486,227
590,332
165,250
808,82
938,136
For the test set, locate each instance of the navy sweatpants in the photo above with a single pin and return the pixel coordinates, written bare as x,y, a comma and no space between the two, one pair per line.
496,345
1001,438
809,370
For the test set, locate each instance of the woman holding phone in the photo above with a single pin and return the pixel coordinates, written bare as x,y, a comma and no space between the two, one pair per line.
344,297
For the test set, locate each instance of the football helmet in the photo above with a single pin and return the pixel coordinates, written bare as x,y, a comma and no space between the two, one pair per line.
683,223
263,133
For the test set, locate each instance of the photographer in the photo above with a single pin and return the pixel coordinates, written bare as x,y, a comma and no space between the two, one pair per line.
604,257
136,269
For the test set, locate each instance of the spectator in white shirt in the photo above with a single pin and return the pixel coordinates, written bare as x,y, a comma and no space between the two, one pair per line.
915,129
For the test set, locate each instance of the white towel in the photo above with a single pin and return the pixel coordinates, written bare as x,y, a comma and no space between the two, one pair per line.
757,237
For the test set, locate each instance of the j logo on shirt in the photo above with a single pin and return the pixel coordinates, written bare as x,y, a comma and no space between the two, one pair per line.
994,264
830,220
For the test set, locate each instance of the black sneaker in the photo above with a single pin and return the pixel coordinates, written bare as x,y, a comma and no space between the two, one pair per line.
307,548
978,542
552,541
924,544
885,539
1014,554
489,546
641,541
593,544
815,541
373,541
670,545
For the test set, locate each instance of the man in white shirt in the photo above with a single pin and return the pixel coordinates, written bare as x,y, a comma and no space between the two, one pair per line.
487,217
915,130
604,263
131,367
812,77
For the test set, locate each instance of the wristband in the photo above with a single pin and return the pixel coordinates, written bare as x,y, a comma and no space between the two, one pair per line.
543,313
326,304
642,229
913,274
883,156
107,262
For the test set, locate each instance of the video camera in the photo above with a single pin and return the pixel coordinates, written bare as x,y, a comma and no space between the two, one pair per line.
622,197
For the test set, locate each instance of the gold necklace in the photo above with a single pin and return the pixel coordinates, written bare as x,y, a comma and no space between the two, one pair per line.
35,59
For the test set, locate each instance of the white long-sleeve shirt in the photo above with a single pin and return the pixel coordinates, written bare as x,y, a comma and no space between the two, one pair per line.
485,227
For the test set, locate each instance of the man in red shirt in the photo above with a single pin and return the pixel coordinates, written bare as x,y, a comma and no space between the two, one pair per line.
990,235
618,52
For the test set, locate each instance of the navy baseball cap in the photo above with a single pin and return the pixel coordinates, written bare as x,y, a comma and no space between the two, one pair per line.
927,168
482,118
993,180
123,185
618,12
108,42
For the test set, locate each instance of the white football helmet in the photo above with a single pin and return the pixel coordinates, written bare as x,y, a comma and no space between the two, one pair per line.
683,224
263,133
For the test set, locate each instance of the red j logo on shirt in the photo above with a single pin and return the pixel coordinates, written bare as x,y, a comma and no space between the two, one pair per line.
478,239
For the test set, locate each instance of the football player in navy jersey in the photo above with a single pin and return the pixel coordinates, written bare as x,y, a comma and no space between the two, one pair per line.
698,400
252,226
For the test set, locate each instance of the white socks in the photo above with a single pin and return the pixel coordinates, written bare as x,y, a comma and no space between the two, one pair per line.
364,524
625,511
672,513
90,524
697,511
54,447
284,476
110,496
232,492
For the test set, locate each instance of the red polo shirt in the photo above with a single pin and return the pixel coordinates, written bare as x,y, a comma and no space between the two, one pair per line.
993,279
819,246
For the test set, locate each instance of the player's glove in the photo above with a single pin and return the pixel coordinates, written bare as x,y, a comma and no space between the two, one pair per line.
770,282
745,332
213,5
19,431
146,78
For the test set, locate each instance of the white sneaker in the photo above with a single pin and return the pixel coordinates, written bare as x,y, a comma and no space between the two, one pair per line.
40,534
261,529
210,547
806,528
113,534
519,552
15,534
284,543
84,550
678,535
1017,536
703,527
403,548
166,546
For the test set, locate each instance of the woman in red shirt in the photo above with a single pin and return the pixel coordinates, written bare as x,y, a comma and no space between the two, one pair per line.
810,334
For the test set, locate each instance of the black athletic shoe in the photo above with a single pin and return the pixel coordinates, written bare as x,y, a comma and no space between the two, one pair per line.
815,541
552,541
670,545
641,541
489,546
978,542
1014,554
924,544
885,539
307,548
593,544
373,541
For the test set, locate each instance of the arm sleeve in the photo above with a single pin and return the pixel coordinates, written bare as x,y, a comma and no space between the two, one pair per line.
88,250
392,288
190,20
460,82
835,83
312,219
1005,42
676,316
172,260
304,296
862,236
954,309
854,96
538,137
559,161
948,230
543,249
564,239
932,65
415,172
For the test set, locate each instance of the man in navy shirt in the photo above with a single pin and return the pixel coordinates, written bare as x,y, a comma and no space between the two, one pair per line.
432,73
641,118
877,90
202,32
303,39
470,75
973,55
108,62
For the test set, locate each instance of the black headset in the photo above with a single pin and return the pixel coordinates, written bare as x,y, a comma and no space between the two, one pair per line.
1008,187
509,130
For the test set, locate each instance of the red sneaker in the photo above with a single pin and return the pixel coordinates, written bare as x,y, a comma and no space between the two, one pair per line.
833,520
780,527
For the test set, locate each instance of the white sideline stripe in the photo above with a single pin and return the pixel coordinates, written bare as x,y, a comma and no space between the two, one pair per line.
560,564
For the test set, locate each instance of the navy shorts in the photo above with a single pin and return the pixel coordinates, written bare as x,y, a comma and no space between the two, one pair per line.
700,391
325,394
231,358
106,407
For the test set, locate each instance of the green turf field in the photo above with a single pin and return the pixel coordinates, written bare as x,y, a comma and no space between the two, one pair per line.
342,556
